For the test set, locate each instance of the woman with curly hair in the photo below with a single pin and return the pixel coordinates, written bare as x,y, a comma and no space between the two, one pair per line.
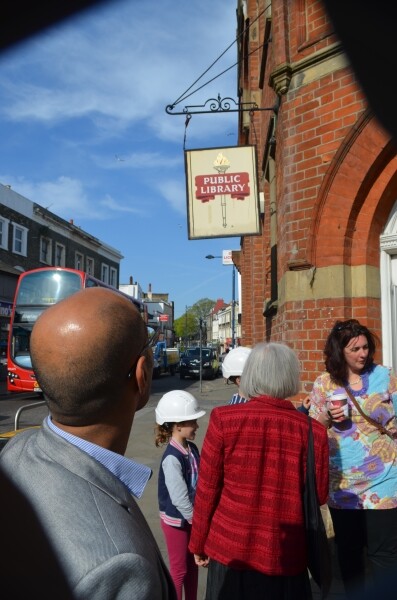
363,452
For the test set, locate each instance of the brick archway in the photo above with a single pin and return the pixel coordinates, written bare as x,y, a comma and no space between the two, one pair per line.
355,199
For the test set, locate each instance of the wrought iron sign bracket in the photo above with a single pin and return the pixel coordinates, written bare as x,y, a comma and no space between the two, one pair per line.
220,105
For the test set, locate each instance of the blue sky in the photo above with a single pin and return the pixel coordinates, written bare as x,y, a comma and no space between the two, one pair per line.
82,111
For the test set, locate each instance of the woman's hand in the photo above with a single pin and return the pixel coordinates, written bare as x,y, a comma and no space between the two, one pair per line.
201,560
334,413
325,419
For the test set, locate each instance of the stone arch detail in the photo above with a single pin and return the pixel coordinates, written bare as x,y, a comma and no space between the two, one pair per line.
355,199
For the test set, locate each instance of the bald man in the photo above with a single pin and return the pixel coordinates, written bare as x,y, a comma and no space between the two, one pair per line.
91,357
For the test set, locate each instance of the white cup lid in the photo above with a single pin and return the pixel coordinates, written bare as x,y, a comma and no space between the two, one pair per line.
337,397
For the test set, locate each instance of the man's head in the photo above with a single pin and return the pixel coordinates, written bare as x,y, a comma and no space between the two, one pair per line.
233,363
88,353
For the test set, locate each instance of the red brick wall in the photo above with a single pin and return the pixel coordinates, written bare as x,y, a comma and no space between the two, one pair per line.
306,326
335,180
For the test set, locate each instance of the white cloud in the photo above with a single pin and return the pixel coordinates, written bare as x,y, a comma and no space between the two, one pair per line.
139,160
66,197
113,205
86,134
122,67
174,191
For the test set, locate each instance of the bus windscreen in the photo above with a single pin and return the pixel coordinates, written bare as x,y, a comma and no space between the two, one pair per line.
37,290
47,287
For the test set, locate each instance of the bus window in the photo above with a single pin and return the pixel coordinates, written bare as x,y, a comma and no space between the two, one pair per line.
36,291
20,346
47,287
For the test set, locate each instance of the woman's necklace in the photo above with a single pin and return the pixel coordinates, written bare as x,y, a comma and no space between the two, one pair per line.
364,384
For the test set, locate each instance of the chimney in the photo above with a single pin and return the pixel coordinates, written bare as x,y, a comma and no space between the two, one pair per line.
71,221
131,280
150,287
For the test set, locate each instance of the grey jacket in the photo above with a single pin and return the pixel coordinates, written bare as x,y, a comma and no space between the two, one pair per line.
98,531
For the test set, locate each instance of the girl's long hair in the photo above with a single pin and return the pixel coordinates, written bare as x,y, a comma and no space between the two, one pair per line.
163,434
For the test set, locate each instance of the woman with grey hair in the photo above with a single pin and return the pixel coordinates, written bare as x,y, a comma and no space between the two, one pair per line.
248,524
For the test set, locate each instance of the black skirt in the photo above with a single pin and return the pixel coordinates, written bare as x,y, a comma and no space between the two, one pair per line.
226,583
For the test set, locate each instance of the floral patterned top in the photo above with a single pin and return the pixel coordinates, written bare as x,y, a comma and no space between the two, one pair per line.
363,462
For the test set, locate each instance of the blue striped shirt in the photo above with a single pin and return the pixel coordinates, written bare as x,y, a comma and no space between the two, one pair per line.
237,399
134,475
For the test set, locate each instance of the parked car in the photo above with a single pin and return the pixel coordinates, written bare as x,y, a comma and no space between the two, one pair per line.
189,365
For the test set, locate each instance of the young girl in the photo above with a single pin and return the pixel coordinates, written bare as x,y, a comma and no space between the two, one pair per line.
176,417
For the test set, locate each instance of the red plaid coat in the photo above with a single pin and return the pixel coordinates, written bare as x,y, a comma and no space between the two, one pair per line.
248,510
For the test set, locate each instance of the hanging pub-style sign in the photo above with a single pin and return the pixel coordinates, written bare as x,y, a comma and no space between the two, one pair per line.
222,192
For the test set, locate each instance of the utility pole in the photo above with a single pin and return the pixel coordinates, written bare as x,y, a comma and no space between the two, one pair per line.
185,328
233,307
201,355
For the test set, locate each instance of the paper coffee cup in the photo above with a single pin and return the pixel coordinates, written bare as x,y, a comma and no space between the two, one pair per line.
337,400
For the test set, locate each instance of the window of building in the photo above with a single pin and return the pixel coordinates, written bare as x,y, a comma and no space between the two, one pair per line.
265,48
90,266
113,277
79,261
388,280
4,233
19,239
105,273
59,255
45,250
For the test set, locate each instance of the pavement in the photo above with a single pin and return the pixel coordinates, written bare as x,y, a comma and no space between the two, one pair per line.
141,447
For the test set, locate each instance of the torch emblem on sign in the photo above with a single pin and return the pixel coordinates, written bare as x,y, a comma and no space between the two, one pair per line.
221,164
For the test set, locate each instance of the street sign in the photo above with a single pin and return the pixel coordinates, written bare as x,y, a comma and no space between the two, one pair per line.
227,257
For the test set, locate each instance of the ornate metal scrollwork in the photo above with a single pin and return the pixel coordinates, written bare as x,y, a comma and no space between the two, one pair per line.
218,105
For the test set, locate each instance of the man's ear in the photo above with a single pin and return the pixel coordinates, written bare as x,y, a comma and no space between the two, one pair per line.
143,376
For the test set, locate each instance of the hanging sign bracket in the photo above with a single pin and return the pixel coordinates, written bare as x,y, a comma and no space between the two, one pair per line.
219,105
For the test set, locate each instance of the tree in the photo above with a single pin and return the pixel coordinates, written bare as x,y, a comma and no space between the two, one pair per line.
202,308
187,326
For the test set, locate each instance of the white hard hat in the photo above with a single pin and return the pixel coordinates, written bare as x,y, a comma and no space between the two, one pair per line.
234,361
177,406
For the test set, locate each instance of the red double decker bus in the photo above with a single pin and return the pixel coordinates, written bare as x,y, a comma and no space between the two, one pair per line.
37,290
